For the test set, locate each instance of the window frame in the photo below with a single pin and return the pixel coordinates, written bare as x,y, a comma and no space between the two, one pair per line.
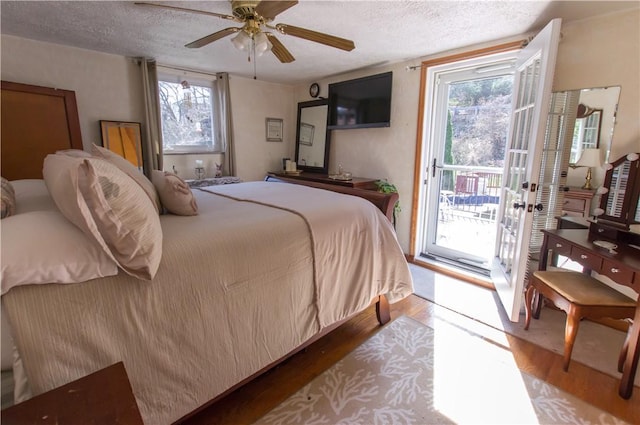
199,80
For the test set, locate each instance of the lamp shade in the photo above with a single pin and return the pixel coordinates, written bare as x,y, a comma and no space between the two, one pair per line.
589,158
262,43
241,41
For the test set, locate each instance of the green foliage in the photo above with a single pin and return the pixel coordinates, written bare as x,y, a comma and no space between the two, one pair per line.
385,187
480,111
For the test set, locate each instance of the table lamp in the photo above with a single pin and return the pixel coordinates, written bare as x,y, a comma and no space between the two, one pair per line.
589,158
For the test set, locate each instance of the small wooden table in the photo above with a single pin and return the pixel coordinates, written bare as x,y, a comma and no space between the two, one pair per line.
103,397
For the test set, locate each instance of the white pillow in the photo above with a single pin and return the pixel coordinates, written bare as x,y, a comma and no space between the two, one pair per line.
130,170
175,194
110,207
45,247
32,195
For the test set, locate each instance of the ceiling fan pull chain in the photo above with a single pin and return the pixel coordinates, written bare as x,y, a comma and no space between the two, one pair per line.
253,49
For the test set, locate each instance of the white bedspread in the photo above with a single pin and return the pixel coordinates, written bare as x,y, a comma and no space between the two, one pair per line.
239,286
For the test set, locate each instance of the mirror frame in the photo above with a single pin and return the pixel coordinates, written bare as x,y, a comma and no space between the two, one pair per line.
327,137
629,204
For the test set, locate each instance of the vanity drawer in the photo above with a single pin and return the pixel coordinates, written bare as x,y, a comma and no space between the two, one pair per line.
586,258
559,246
617,273
596,231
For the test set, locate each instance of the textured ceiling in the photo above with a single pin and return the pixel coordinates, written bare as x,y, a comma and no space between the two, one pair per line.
383,31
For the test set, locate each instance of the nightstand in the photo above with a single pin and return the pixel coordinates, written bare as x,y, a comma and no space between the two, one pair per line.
577,202
103,397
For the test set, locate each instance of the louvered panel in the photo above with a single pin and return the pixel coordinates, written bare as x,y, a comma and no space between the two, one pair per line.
555,160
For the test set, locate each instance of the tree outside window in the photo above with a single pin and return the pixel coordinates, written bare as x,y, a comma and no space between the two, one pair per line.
187,116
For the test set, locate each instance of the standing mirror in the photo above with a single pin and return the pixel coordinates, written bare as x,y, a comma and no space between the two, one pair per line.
586,134
595,116
312,137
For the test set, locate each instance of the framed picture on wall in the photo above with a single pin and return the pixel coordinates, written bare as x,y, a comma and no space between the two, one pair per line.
306,133
274,129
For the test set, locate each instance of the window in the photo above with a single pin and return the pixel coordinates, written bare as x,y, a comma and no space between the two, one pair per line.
187,117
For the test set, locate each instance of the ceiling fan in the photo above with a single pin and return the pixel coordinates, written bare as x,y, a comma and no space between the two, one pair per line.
256,16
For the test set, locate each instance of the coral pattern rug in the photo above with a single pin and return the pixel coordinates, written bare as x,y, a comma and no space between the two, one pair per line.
409,373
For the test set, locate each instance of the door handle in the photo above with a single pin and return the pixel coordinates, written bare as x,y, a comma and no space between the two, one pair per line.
433,168
539,207
517,205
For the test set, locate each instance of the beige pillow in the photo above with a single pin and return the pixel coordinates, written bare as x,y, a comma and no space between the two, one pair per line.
109,207
175,194
8,197
130,170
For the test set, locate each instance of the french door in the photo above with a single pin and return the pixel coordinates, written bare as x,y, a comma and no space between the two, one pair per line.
469,126
523,159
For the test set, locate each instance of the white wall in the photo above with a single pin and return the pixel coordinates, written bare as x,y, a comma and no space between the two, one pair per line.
252,102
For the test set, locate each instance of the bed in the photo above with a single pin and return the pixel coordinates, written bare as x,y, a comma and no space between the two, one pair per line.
261,270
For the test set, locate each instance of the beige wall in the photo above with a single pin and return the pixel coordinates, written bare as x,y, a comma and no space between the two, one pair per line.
109,87
602,52
597,52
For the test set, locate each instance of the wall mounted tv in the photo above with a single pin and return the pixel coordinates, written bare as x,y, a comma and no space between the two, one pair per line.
361,103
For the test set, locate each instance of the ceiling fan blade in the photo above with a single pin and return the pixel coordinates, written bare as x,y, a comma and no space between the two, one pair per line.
182,9
318,37
212,37
268,9
278,49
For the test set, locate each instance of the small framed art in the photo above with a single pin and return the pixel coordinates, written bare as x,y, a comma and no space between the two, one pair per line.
274,129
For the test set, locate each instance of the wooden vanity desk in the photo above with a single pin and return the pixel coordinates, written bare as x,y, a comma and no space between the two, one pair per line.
622,266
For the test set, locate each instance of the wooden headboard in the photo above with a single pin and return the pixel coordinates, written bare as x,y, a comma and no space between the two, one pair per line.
35,121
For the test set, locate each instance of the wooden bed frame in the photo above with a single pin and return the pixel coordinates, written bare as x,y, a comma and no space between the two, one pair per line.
37,121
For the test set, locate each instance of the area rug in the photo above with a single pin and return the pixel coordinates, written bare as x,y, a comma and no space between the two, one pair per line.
409,373
596,346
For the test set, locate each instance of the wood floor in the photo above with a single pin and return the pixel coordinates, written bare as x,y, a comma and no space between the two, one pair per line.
255,399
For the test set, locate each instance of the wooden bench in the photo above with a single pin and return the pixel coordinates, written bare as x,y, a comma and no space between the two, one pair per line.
580,296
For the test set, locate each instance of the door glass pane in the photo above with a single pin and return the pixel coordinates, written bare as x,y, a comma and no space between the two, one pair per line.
472,164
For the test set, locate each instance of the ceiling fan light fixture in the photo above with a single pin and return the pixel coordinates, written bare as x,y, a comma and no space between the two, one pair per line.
262,43
242,41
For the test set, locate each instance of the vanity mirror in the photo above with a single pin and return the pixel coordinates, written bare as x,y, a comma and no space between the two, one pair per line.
312,137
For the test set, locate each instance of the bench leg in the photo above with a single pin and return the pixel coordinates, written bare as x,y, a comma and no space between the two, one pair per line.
528,299
570,332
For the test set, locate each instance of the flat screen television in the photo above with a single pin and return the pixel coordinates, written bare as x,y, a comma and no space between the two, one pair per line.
361,103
